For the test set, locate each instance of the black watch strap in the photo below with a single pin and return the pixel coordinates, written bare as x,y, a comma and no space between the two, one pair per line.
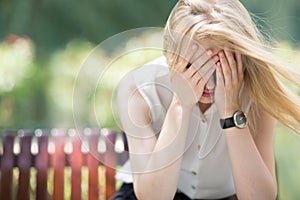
227,123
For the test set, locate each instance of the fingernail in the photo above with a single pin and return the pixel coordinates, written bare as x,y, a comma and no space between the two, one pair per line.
194,46
216,58
209,52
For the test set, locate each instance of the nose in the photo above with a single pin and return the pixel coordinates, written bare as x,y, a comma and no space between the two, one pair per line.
210,85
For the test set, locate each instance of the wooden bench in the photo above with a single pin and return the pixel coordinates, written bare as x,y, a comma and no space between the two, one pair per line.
56,150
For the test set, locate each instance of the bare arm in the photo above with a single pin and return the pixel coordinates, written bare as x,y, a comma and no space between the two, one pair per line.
252,160
155,162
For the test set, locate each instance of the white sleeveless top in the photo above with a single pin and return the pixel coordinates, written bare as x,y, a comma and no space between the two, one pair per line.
205,171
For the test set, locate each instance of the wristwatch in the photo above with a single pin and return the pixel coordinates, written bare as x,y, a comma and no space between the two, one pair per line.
238,120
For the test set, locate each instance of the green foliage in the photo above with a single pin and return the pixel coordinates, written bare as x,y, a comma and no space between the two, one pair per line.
53,23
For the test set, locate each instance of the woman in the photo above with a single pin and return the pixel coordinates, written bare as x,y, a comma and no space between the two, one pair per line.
200,120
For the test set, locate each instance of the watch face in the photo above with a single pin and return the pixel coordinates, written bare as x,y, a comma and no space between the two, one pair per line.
240,119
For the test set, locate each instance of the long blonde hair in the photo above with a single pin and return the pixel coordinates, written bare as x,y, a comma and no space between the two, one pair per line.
228,22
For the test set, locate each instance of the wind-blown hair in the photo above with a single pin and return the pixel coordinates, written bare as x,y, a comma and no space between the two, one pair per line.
227,22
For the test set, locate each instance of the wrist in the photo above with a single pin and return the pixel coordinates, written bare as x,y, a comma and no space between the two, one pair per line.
229,112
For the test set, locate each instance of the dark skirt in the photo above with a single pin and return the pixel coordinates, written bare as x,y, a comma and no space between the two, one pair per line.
126,193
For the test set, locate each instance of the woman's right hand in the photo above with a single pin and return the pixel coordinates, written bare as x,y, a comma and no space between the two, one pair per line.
191,73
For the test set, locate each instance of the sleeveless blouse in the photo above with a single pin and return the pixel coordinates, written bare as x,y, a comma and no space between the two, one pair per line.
205,170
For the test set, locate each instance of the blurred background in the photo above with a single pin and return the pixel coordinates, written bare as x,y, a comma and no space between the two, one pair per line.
44,43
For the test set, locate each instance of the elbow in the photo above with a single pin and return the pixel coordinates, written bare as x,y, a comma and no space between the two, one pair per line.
145,193
270,195
150,195
265,195
141,190
266,191
271,190
275,191
144,190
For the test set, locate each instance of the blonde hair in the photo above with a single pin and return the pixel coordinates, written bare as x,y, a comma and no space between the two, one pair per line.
228,22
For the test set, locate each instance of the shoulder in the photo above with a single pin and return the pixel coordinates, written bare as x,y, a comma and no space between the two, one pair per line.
133,94
142,75
125,86
145,93
150,71
130,103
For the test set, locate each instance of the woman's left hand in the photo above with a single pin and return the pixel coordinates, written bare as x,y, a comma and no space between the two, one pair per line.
230,76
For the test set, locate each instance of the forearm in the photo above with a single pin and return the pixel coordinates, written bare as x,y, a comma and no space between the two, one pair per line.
163,166
252,178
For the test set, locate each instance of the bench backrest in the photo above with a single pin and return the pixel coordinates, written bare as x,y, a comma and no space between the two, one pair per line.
57,149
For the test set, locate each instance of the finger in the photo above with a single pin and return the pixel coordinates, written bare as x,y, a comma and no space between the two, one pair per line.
220,76
208,74
232,64
201,51
225,68
200,87
209,64
200,84
190,50
186,53
240,65
216,59
190,72
195,79
181,66
202,59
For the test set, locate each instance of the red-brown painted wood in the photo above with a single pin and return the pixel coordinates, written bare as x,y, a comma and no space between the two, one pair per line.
110,160
76,159
58,164
41,165
24,163
58,161
7,163
93,164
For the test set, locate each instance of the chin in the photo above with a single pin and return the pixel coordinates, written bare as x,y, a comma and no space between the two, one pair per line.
206,100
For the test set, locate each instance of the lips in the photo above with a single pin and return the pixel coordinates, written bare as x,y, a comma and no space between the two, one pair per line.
207,93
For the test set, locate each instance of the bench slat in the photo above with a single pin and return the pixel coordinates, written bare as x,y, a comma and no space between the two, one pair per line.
7,164
41,165
93,164
58,164
76,159
110,159
24,163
